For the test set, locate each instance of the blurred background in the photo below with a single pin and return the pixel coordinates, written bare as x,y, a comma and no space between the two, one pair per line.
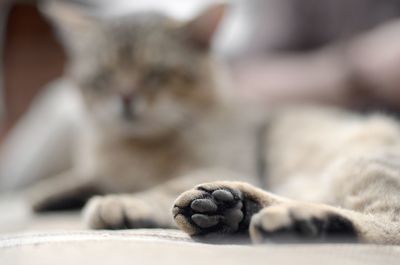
338,52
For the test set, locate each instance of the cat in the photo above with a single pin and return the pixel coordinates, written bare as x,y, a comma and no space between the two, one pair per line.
160,120
148,85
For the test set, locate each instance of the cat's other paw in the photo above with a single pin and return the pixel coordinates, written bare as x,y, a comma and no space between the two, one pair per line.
300,223
47,202
214,209
118,212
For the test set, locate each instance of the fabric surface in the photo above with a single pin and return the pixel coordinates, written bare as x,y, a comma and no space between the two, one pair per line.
61,239
174,248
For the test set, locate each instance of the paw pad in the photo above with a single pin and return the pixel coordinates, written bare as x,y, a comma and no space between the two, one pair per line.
209,211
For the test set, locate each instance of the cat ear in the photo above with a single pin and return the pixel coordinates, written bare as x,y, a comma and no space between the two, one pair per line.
73,23
201,29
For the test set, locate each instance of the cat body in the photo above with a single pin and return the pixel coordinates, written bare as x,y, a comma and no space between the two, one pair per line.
122,164
324,137
160,120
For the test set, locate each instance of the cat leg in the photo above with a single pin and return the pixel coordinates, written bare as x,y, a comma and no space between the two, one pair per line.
234,208
303,222
147,209
365,188
371,185
66,191
221,208
128,211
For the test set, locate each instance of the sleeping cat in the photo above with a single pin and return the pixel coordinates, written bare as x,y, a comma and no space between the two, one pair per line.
160,121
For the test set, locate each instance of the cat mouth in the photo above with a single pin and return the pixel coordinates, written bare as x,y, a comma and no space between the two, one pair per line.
128,116
127,113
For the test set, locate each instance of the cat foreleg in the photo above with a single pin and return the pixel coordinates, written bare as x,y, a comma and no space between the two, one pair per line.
148,209
62,192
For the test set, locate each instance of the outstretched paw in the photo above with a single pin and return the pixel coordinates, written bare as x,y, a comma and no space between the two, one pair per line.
118,212
300,223
215,208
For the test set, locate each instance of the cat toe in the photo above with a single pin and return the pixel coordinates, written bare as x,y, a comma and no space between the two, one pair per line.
294,224
204,206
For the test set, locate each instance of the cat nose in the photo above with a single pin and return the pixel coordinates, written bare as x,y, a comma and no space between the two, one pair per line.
127,106
127,98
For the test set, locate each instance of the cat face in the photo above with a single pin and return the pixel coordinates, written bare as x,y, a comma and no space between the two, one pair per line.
143,75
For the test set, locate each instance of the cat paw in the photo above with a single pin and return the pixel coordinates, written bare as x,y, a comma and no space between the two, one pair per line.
214,208
118,212
300,223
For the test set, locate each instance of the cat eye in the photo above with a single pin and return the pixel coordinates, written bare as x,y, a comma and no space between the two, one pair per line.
161,76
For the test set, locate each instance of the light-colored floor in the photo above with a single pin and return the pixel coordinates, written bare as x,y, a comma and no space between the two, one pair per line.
171,248
61,239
